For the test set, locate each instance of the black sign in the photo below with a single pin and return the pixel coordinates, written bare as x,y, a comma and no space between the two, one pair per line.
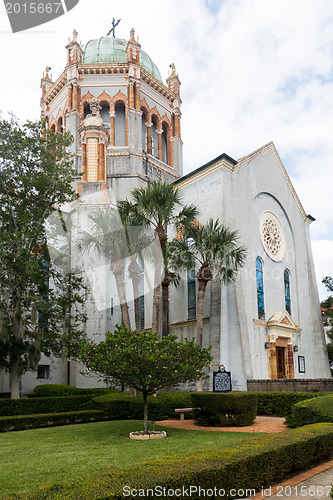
221,380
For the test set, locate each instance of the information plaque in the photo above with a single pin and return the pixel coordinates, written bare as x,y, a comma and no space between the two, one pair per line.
221,380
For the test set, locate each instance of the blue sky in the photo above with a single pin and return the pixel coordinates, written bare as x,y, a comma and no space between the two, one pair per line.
253,71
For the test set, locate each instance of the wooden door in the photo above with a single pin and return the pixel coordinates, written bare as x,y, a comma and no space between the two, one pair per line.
281,364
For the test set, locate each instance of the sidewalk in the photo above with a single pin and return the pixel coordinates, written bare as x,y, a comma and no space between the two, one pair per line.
313,484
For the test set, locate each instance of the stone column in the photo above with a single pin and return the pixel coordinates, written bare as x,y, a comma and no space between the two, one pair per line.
160,153
70,98
137,97
101,163
177,125
75,97
148,125
112,129
84,161
131,95
290,356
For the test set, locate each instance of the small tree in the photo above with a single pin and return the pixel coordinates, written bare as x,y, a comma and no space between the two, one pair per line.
140,360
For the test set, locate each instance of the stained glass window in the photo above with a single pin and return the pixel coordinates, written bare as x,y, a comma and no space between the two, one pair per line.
287,290
260,288
191,295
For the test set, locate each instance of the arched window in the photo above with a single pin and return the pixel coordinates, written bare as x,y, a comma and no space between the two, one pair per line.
105,115
154,139
86,110
287,290
260,288
120,125
60,126
144,133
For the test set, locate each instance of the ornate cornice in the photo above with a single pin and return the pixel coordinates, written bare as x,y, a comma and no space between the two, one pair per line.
56,88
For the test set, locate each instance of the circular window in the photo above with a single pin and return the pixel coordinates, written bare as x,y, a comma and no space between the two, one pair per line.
272,236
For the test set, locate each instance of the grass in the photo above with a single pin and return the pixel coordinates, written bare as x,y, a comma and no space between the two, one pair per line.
33,458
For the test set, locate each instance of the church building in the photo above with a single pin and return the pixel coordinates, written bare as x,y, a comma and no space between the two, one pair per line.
126,126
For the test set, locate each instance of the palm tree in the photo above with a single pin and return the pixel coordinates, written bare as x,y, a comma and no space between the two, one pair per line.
214,248
160,206
108,237
138,237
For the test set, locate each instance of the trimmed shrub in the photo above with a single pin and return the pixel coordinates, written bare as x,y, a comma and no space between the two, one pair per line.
260,462
23,422
162,407
281,403
224,409
54,390
33,406
319,409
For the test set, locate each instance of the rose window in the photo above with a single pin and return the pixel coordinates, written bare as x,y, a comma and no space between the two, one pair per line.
272,236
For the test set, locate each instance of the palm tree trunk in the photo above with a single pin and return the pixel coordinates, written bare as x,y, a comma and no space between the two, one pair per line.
201,295
204,275
165,304
134,274
159,272
118,274
156,308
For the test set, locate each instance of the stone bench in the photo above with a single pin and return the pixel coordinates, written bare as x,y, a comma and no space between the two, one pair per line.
182,411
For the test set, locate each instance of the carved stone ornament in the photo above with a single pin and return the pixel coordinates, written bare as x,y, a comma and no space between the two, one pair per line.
272,236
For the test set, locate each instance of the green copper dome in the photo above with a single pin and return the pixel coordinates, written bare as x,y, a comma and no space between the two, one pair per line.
110,50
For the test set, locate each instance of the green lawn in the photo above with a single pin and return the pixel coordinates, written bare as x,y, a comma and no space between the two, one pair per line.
33,458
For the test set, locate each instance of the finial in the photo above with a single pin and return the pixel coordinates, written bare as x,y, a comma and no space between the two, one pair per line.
173,68
75,33
132,33
114,24
47,69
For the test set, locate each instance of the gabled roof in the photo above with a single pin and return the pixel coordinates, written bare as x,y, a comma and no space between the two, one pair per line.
271,147
282,319
225,161
222,161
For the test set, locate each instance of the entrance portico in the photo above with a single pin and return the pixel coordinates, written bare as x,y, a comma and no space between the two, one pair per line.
280,335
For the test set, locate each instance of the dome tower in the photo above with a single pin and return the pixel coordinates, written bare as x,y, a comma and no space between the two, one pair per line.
137,137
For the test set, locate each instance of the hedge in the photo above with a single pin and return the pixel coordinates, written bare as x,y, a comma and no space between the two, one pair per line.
224,409
314,410
162,407
53,390
280,403
23,422
31,406
254,464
